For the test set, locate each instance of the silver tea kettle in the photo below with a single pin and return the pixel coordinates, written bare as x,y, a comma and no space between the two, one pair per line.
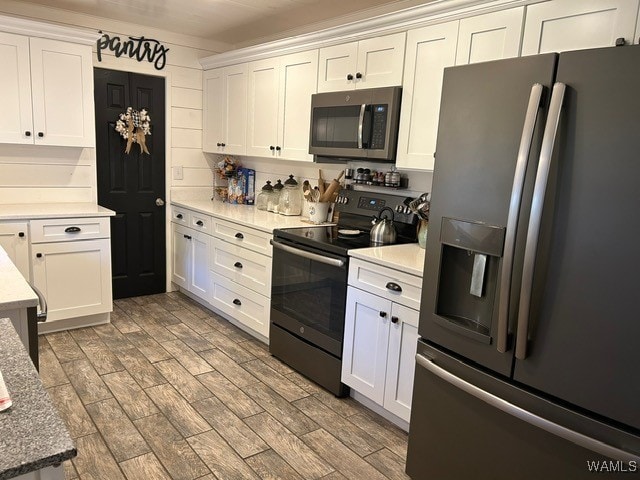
383,232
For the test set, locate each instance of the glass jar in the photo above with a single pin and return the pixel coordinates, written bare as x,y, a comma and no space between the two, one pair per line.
263,197
290,198
274,199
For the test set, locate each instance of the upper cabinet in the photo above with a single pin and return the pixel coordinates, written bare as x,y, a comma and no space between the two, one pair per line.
280,92
374,62
558,26
429,51
224,126
46,90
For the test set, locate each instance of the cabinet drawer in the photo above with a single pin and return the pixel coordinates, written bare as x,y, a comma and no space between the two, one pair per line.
392,284
243,266
244,236
180,215
244,305
69,229
200,222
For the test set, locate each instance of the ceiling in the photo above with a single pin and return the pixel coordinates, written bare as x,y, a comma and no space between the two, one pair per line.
232,22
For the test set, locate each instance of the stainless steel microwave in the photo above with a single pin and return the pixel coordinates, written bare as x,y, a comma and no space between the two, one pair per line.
357,124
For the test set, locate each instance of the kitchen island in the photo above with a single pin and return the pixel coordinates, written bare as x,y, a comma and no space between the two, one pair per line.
33,437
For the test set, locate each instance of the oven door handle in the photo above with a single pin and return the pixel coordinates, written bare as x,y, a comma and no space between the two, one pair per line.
335,262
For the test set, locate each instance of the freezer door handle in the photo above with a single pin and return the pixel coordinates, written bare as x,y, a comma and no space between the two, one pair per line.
530,120
535,219
526,416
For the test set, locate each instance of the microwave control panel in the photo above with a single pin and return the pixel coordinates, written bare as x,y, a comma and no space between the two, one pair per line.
378,127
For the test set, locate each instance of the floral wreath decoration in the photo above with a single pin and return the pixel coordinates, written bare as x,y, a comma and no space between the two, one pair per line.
134,126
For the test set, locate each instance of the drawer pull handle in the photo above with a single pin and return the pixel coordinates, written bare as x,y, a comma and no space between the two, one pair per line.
72,230
200,223
38,255
179,216
237,301
394,287
237,265
394,319
239,235
383,314
21,234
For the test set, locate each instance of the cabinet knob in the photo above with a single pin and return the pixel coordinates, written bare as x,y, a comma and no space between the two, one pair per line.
358,75
21,234
383,314
40,134
218,144
200,223
394,319
278,148
394,287
27,133
179,216
620,42
223,144
272,148
237,265
236,301
188,237
38,255
349,76
239,235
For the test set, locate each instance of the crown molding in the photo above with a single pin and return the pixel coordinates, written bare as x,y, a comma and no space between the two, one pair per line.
435,12
32,28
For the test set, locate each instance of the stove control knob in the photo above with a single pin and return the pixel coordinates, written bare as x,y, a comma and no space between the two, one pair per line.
400,209
345,200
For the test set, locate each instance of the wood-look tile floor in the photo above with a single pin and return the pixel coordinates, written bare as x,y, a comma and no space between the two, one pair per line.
170,390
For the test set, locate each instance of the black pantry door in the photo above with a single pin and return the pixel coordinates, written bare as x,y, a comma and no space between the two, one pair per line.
133,184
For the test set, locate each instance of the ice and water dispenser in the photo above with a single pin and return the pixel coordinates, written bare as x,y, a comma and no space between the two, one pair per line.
469,267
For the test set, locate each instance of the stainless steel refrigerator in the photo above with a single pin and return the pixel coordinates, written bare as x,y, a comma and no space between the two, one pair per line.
528,365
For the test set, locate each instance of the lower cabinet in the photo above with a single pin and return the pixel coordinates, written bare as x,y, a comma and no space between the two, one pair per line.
14,239
380,341
190,260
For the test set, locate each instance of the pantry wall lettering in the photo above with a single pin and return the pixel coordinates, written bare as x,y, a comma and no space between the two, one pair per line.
140,48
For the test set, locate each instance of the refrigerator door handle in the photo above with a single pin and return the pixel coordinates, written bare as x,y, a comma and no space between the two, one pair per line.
514,210
535,219
526,416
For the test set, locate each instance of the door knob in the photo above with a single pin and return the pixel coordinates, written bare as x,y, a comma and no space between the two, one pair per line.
159,202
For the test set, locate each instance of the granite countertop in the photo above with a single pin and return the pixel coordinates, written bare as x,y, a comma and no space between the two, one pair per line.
32,434
408,258
247,215
15,292
18,211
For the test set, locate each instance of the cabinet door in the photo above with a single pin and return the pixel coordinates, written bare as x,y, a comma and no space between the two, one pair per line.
180,255
14,240
366,335
75,277
235,109
62,92
298,78
335,63
262,133
559,25
16,121
199,282
401,360
429,51
213,107
380,61
491,36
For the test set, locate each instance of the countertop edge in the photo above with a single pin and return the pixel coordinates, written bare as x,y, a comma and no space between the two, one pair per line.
33,211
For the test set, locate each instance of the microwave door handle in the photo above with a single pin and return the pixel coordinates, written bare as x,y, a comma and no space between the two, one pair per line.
535,218
363,108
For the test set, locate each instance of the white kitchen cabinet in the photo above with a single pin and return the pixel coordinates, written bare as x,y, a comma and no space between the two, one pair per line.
280,92
380,341
374,62
14,239
180,255
429,51
46,91
560,25
190,259
224,126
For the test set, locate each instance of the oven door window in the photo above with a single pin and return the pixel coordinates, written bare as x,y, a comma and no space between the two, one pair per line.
308,299
337,127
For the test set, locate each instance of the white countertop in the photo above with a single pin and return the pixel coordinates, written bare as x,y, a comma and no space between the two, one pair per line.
18,211
247,215
15,292
408,258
